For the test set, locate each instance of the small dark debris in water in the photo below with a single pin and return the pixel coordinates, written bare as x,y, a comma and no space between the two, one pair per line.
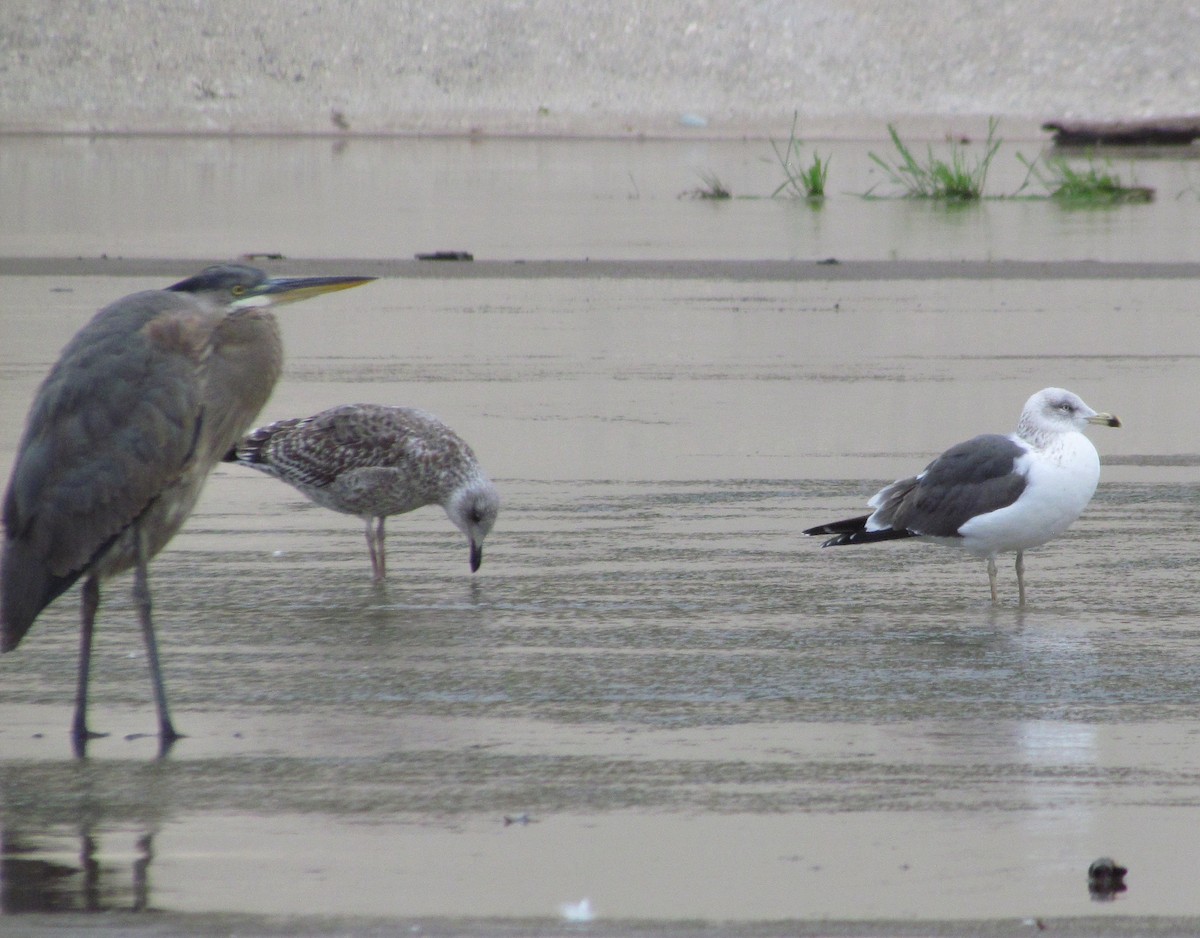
522,818
263,256
339,119
39,735
61,290
134,737
713,191
1106,879
1163,131
446,256
829,261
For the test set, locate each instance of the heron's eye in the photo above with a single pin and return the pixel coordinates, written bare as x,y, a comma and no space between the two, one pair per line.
238,290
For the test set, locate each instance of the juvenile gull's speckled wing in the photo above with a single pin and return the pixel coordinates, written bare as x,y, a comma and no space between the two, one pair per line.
316,451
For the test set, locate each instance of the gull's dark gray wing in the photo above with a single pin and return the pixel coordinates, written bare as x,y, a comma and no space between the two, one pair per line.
973,478
968,480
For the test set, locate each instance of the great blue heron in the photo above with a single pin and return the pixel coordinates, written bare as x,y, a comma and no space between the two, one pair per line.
993,494
142,403
372,460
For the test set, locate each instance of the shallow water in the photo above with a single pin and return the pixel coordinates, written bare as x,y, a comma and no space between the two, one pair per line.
551,199
683,708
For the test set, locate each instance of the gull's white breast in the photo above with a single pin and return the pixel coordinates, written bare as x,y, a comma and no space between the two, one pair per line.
1061,480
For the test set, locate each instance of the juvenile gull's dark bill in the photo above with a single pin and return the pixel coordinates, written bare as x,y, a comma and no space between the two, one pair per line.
993,494
373,461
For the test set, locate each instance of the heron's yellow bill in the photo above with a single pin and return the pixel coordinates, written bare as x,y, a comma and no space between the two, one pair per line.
280,290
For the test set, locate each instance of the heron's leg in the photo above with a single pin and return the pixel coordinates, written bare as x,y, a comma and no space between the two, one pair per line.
1021,575
141,598
381,573
992,580
89,604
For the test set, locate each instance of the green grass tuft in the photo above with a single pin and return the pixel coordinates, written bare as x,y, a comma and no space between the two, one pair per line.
959,179
1090,186
801,181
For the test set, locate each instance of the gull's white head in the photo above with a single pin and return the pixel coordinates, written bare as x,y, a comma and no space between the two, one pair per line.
473,508
1055,410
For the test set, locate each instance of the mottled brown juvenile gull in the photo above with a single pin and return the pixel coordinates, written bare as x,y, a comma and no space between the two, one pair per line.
993,494
373,461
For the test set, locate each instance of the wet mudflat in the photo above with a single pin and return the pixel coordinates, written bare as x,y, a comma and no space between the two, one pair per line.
655,694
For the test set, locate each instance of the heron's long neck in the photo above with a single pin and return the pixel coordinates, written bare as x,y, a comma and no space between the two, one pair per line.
243,364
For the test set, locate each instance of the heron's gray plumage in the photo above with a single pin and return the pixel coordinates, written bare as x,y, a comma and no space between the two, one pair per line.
114,435
373,461
144,400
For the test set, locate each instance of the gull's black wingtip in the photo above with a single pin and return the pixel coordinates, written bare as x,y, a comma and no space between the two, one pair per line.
854,531
836,541
843,529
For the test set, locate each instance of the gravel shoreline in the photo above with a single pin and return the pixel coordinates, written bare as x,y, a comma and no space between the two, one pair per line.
621,69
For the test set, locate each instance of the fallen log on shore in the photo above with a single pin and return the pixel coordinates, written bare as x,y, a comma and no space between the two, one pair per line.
1162,131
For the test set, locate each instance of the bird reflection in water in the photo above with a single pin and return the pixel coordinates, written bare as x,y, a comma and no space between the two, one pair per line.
30,881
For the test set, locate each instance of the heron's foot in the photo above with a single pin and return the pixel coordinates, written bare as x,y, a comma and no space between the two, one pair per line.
167,736
80,732
80,735
165,742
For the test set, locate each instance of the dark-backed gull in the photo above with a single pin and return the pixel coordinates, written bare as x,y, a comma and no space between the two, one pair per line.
993,494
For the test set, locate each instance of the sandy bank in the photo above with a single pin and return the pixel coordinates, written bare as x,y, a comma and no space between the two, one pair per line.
619,69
